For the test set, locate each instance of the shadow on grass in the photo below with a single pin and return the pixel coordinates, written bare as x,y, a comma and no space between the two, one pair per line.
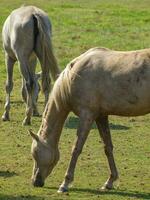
20,102
124,193
72,123
7,174
121,193
21,197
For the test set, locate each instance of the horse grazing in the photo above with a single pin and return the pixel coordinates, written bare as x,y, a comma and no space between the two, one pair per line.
99,83
26,36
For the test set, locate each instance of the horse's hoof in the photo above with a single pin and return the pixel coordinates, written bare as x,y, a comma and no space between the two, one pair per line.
103,188
5,118
106,187
62,190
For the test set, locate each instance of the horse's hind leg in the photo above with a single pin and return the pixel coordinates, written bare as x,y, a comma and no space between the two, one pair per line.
28,78
36,87
103,127
34,96
9,85
23,91
85,124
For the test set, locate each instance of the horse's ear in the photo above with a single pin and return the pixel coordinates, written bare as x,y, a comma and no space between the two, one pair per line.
33,135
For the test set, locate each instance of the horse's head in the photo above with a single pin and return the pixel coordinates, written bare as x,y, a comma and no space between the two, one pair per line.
45,158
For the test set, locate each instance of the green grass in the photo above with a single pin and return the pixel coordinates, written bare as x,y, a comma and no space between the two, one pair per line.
77,26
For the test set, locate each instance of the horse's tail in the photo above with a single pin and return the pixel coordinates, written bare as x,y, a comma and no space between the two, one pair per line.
44,50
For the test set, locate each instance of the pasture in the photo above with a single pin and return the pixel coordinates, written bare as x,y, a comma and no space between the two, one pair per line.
78,26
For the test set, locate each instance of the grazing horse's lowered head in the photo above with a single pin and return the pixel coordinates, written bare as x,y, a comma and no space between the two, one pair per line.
45,158
26,37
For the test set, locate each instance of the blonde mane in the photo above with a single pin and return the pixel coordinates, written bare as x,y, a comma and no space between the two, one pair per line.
61,89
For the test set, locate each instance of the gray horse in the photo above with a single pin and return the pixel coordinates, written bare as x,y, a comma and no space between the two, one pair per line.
26,36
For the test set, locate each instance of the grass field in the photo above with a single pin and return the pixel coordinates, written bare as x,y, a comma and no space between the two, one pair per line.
77,26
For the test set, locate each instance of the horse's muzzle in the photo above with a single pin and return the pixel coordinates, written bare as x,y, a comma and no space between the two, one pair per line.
37,180
37,183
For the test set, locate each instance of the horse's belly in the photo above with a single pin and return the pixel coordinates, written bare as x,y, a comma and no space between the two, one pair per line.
130,112
127,108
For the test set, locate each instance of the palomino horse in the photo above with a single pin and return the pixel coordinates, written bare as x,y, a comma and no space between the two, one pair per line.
27,36
98,83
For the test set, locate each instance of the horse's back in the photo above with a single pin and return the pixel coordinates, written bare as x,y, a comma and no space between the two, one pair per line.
112,81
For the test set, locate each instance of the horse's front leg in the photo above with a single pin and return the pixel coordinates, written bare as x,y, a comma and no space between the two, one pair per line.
103,126
9,85
85,123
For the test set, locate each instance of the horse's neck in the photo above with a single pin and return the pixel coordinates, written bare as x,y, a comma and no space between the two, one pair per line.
52,123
